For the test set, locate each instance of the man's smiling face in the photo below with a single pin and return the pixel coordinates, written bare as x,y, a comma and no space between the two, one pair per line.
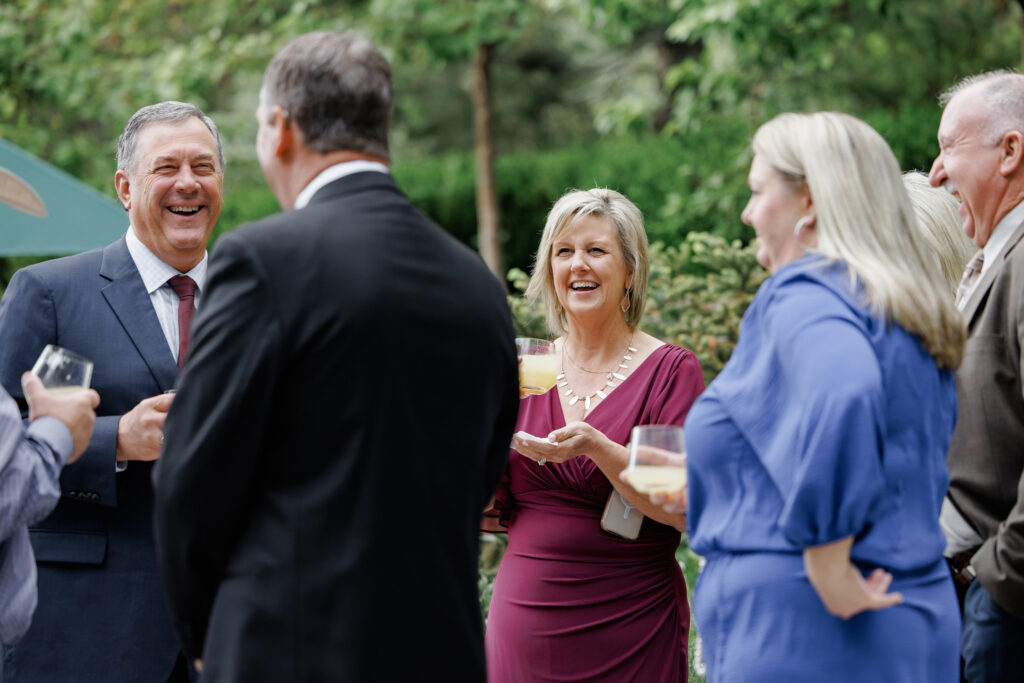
173,194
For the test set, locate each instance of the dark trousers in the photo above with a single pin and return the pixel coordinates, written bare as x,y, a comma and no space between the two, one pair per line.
992,644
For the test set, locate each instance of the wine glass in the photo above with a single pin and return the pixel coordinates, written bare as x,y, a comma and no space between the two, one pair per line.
657,459
62,371
538,365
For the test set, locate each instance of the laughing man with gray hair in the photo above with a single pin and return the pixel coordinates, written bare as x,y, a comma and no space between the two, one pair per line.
102,614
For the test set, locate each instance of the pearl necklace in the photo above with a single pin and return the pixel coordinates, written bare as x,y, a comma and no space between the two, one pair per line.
609,384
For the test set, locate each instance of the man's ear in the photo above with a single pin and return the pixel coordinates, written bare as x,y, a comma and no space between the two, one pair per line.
284,131
122,184
1012,152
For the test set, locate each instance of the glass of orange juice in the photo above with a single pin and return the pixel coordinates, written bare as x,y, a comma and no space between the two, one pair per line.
538,365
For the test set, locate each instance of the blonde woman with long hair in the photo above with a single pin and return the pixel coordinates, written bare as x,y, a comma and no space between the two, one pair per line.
817,457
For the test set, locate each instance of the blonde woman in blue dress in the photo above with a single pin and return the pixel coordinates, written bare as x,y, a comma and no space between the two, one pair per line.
817,457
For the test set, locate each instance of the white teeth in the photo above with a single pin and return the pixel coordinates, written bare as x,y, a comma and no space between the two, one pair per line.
576,286
183,210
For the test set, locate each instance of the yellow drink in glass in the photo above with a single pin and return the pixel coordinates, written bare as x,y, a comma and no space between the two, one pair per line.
650,478
537,373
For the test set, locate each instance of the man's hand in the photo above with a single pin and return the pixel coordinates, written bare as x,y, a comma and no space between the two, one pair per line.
76,410
140,432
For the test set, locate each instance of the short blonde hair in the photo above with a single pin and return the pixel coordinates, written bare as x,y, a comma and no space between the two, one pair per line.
939,220
865,219
629,225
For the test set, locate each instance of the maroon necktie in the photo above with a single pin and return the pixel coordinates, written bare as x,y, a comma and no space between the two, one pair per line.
185,288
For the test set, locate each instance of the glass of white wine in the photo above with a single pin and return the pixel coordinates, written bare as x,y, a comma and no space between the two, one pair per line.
538,365
657,459
62,371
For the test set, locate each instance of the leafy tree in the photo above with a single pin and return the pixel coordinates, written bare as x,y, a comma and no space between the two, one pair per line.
464,31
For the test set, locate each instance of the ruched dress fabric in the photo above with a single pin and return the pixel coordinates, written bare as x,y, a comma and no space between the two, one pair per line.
572,602
825,423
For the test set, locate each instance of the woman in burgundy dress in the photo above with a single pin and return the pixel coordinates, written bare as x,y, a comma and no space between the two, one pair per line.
573,602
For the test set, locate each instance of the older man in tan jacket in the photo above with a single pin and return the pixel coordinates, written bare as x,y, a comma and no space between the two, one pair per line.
981,161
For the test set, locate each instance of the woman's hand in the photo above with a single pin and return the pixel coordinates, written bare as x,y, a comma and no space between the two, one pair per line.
840,585
571,441
672,502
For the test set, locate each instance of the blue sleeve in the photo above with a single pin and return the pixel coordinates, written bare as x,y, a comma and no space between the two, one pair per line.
30,464
831,477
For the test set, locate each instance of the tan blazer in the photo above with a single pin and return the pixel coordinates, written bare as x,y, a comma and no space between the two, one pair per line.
986,456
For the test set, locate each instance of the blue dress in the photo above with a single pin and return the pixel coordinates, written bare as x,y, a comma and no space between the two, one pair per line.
826,423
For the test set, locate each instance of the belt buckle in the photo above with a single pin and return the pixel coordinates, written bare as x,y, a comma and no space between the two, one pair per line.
963,572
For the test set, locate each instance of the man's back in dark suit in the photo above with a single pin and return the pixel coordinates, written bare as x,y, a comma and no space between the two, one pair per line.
343,419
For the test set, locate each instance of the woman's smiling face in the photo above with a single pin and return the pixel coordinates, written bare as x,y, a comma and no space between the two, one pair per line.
588,269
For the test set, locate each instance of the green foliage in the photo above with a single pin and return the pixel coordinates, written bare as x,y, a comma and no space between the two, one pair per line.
492,548
668,178
767,57
698,293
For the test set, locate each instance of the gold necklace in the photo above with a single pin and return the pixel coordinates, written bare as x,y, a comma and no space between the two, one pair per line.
609,384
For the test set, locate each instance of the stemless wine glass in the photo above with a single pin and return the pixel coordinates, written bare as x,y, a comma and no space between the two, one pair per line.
538,365
62,371
657,459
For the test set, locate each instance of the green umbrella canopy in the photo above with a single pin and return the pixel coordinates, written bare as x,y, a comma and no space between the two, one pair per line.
45,211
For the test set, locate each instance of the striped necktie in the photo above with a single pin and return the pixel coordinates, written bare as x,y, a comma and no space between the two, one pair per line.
970,277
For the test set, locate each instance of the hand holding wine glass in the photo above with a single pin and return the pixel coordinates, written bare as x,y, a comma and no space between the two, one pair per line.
58,387
657,465
62,371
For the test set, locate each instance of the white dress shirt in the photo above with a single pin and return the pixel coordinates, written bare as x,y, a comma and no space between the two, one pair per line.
155,274
332,173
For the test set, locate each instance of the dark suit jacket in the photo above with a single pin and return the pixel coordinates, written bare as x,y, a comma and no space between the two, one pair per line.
342,421
101,613
986,457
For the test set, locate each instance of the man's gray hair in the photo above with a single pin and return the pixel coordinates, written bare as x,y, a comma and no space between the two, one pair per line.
163,112
337,88
1002,91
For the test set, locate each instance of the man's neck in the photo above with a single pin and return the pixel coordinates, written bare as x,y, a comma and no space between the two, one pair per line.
311,164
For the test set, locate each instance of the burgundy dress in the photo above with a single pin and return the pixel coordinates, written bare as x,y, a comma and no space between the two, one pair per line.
572,602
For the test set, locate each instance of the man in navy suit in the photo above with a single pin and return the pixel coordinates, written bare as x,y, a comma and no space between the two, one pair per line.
102,615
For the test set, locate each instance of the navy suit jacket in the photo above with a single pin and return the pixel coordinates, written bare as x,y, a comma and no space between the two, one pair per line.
102,614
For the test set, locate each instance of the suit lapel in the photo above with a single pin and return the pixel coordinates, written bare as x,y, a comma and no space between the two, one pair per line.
127,296
989,276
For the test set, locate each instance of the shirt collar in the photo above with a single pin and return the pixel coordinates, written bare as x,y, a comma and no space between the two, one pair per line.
332,173
155,273
1001,235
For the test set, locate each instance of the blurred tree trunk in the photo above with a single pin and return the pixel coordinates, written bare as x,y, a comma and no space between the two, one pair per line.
488,223
671,53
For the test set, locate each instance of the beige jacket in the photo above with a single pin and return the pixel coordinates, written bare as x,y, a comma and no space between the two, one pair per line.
986,456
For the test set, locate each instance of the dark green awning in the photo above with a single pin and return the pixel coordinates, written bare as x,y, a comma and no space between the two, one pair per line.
45,211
